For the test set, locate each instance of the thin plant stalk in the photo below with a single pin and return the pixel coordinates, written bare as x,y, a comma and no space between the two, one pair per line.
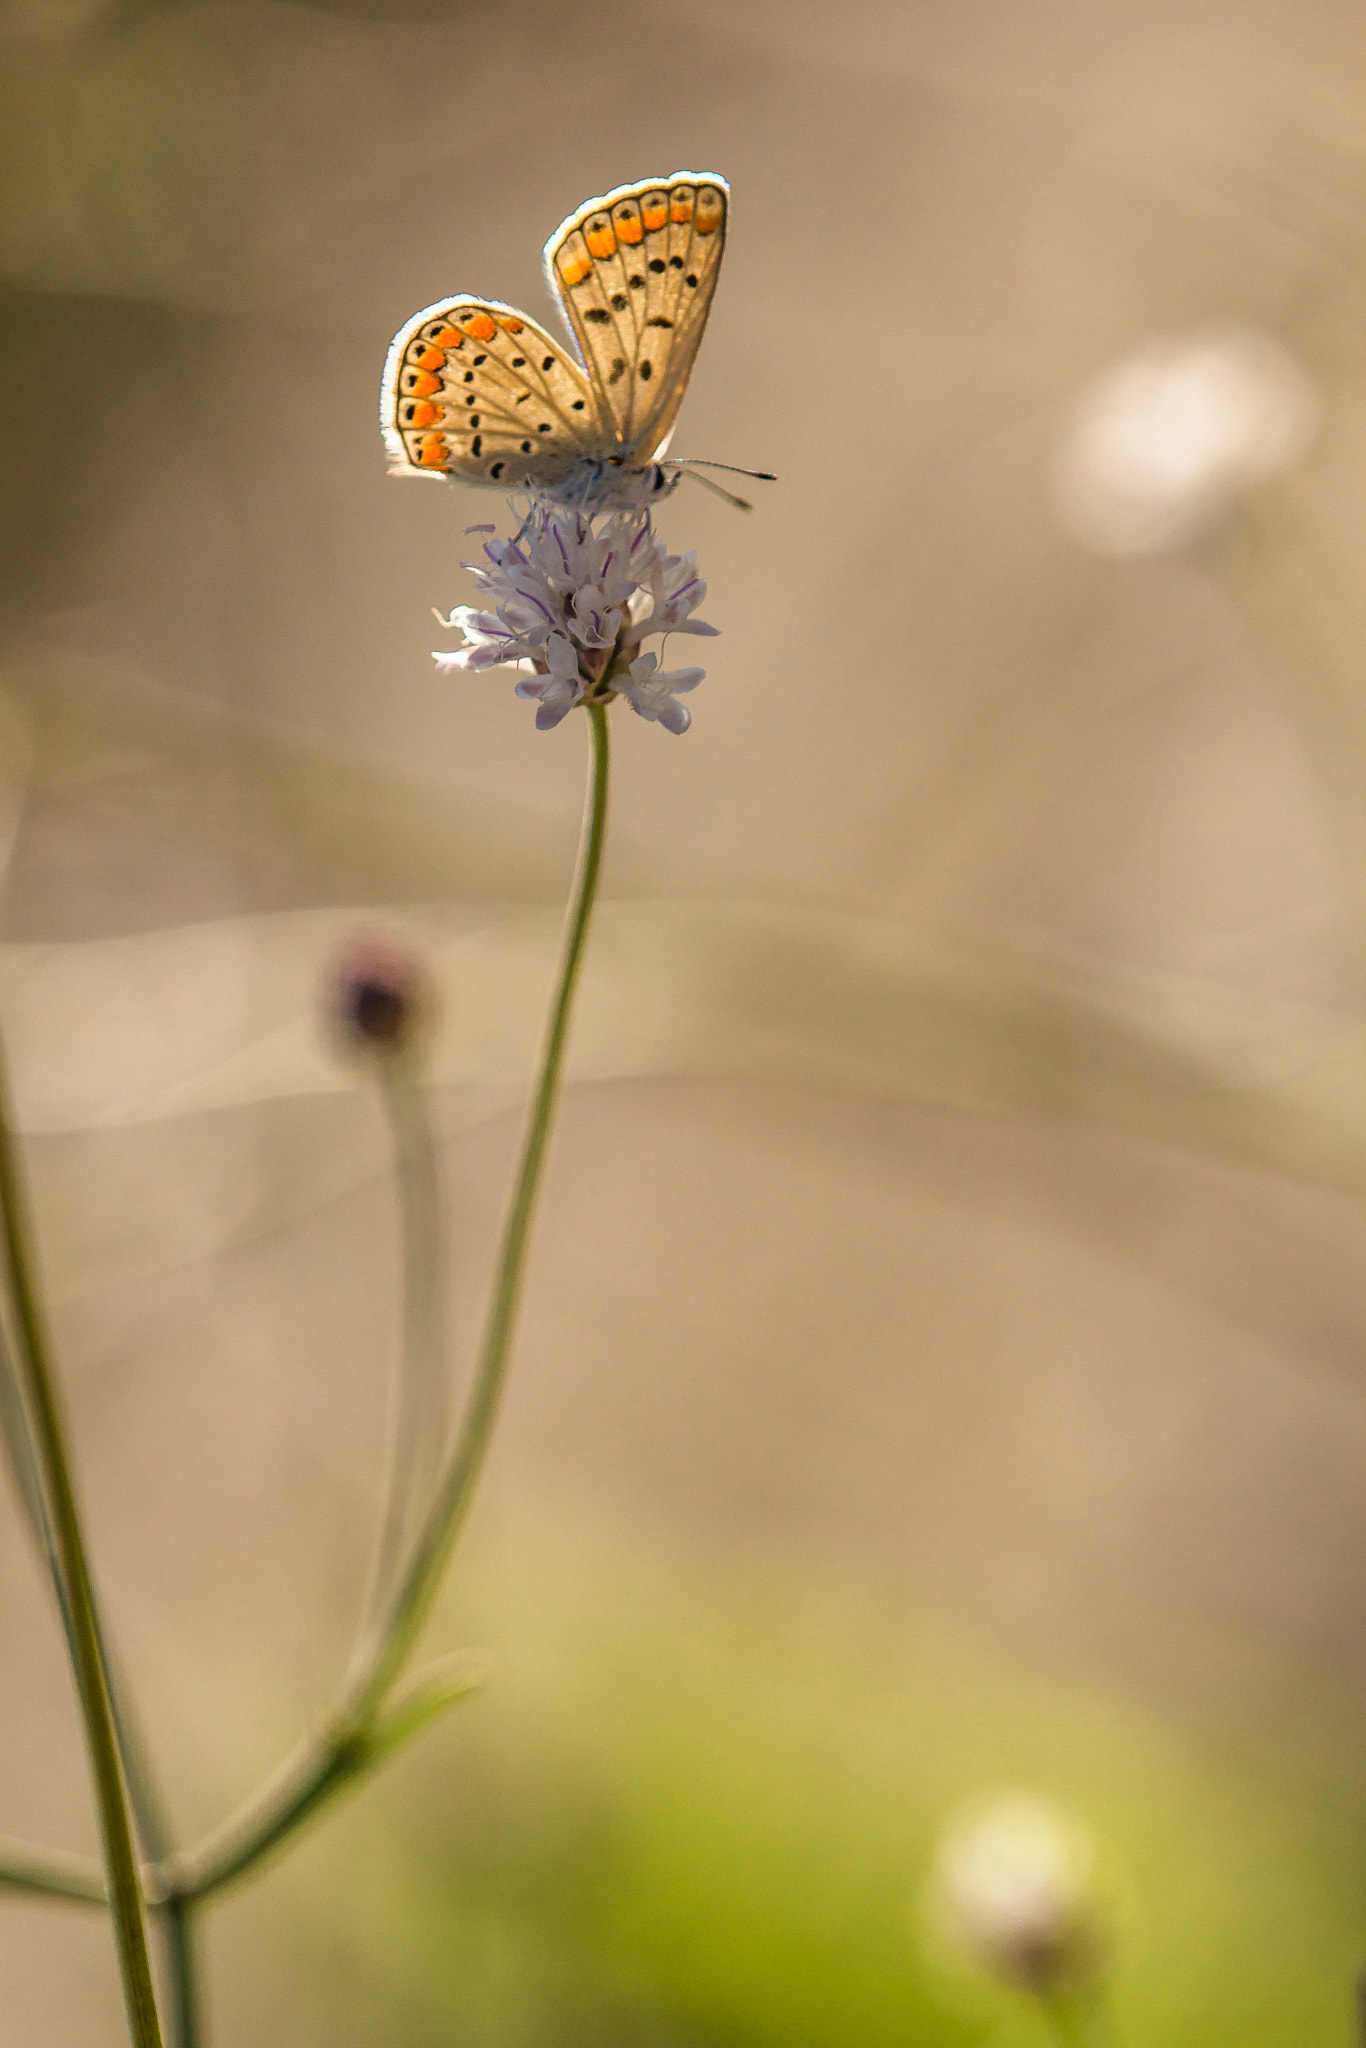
178,1920
88,1664
323,1764
77,1879
418,1431
451,1504
27,1870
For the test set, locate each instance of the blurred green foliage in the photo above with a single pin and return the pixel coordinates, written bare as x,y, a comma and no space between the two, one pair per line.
699,1805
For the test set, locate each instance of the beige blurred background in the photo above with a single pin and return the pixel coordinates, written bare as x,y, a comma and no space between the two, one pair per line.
955,1231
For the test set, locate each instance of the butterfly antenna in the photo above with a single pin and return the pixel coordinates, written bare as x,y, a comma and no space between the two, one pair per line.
740,504
763,476
693,467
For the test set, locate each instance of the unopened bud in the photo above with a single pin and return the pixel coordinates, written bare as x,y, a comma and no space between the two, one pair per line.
382,1000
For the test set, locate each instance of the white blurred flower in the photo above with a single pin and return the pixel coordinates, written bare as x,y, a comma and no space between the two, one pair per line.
1012,1877
570,599
1163,443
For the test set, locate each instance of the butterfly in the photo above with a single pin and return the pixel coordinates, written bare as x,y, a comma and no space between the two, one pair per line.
474,389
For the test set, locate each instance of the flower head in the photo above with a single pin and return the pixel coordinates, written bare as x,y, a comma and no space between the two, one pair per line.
1167,439
1013,1881
570,599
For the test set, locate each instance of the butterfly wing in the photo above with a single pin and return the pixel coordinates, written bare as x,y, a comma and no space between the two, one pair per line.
634,273
475,390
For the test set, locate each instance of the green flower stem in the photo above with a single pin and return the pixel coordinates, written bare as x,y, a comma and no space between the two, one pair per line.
27,1870
383,1659
420,1419
349,1744
77,1878
41,1400
420,1580
178,1917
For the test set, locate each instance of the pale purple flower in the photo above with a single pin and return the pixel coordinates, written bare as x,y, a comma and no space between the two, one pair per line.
654,691
558,689
570,599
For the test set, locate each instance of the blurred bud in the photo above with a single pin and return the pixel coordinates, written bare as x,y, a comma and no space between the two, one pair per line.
1012,1879
1162,444
381,997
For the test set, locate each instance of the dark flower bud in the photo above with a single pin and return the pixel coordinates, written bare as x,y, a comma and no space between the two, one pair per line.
381,998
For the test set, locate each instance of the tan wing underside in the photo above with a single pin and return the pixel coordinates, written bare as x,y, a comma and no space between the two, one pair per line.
635,273
475,390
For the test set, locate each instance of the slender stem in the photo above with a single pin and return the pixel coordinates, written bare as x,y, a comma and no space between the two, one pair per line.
452,1500
418,1430
321,1764
25,1869
40,1391
178,1918
77,1878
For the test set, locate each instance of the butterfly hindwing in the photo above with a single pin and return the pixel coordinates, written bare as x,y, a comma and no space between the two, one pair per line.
635,272
475,390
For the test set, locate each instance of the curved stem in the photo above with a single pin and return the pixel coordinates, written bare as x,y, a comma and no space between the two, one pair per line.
448,1511
322,1764
87,1660
418,1428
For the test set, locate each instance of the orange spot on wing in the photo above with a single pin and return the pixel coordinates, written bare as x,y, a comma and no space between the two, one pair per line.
511,326
449,337
680,208
425,414
629,230
600,239
427,357
432,451
479,327
708,215
654,210
424,383
574,269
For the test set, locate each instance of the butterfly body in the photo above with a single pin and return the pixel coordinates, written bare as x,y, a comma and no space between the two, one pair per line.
476,390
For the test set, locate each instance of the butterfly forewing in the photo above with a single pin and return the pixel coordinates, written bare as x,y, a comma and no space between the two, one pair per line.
475,390
635,272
